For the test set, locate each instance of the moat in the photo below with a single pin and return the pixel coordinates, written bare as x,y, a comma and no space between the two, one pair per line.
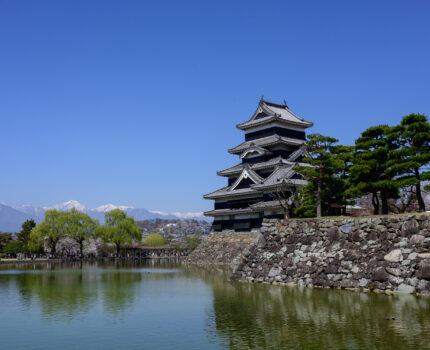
163,305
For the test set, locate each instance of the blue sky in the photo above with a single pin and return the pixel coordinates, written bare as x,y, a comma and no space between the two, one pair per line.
136,102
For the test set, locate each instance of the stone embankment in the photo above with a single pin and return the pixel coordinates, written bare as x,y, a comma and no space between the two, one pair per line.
390,254
222,248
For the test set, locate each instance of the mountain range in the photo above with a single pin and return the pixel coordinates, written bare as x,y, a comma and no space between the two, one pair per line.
11,218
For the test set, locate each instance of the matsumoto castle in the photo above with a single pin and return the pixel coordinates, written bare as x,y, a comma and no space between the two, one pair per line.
274,144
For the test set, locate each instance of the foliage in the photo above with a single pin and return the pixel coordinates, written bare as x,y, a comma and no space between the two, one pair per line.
24,234
413,153
51,230
79,227
35,247
324,165
59,224
154,240
344,156
119,229
13,247
308,204
192,241
5,238
369,173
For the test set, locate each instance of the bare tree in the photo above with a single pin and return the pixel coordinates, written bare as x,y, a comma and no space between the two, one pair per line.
408,201
287,197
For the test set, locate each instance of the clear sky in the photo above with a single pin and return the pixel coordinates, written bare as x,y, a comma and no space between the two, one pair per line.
136,102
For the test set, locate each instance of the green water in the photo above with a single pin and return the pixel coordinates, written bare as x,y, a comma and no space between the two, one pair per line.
165,306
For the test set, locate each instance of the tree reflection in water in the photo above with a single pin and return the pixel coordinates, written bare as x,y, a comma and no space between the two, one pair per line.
65,290
238,315
273,317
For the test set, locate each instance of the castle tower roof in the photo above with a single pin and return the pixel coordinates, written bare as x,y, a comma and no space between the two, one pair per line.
268,112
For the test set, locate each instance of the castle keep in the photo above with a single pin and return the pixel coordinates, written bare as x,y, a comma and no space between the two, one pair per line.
274,144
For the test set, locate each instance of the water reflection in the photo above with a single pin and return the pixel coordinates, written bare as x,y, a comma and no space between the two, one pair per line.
158,303
68,289
273,317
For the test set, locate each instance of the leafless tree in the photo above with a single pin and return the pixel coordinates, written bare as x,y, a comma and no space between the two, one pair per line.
408,202
287,197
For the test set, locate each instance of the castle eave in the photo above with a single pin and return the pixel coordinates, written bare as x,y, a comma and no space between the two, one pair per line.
266,141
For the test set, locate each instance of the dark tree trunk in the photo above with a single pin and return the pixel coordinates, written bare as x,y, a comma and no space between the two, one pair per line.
117,249
421,204
375,202
53,251
384,200
319,189
81,249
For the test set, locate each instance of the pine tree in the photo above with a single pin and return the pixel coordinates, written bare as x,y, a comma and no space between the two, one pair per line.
407,162
369,172
320,174
344,156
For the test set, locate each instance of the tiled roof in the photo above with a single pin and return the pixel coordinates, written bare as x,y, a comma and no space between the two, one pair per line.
247,172
280,177
271,163
256,207
225,192
301,151
219,212
266,141
266,205
269,111
253,148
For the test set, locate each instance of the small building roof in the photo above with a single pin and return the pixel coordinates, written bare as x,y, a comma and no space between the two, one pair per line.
268,112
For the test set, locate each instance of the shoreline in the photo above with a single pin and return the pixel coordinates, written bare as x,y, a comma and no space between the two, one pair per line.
38,260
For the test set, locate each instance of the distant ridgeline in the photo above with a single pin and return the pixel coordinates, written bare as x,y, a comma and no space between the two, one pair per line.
274,143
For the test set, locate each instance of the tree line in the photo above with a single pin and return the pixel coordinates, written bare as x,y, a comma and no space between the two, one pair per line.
118,231
387,164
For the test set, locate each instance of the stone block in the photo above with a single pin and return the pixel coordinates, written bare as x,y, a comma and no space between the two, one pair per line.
333,234
410,227
380,275
417,239
423,271
347,228
405,288
394,256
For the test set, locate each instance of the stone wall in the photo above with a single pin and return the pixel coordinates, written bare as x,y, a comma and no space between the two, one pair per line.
390,254
222,248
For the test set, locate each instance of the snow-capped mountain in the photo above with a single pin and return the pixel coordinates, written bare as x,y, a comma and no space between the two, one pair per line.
110,207
69,205
11,218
